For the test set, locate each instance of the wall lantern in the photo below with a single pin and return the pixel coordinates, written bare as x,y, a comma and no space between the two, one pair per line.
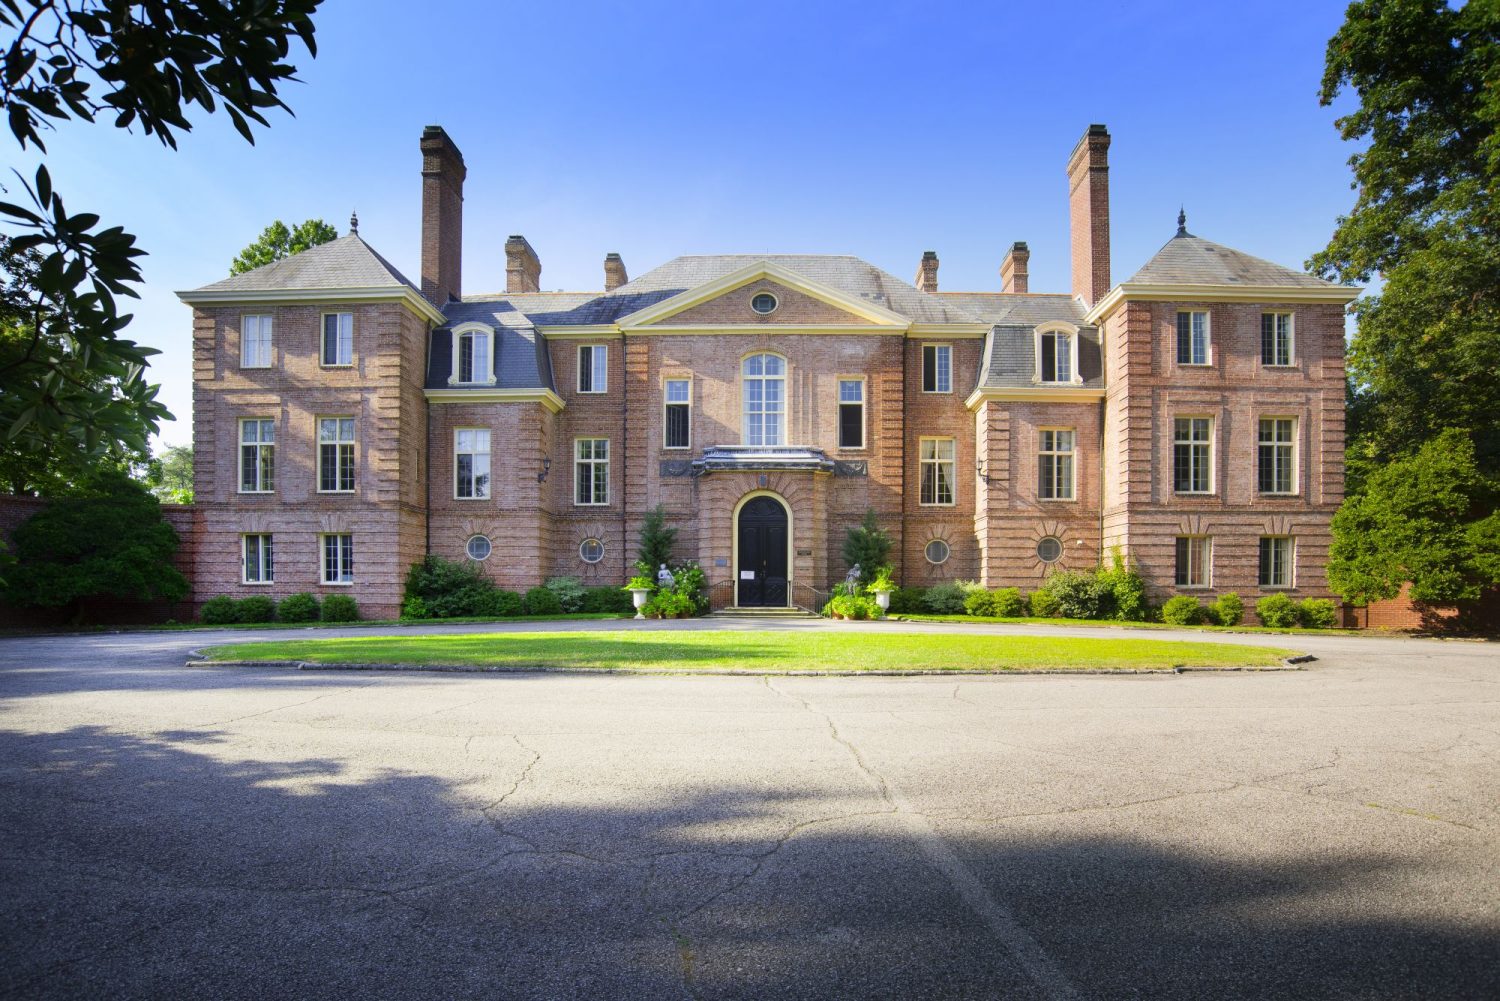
546,465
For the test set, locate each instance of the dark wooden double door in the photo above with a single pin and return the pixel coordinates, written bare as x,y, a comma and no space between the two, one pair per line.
762,566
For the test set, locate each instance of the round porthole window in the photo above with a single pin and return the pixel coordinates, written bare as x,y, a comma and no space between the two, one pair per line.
1049,550
591,550
478,547
937,551
763,303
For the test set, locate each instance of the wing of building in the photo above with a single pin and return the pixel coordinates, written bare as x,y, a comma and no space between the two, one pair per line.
348,421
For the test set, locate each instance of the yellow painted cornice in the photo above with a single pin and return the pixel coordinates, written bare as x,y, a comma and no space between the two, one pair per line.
1269,294
409,297
1033,394
755,272
545,397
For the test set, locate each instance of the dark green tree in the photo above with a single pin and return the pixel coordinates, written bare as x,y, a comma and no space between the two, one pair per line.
277,242
867,545
657,541
139,65
105,539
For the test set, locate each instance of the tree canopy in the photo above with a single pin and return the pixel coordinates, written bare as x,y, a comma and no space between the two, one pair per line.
276,242
169,475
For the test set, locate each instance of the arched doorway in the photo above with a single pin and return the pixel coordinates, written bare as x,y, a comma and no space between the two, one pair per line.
761,536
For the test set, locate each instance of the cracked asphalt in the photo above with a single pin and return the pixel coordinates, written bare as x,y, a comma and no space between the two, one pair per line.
267,833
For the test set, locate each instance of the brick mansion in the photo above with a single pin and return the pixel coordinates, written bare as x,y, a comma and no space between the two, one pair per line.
347,422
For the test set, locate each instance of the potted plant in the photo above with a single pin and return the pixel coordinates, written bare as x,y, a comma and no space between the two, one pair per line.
882,587
640,588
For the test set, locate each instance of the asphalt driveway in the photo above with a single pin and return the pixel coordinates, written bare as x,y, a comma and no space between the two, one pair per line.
263,833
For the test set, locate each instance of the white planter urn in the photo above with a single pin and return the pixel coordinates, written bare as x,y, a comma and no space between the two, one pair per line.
883,599
640,595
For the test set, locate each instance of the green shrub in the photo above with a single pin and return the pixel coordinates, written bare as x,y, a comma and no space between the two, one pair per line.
671,604
1277,611
1079,595
1317,613
606,599
1007,602
946,598
852,606
1043,604
256,608
505,604
299,607
415,608
1182,610
1227,609
569,593
1122,591
437,581
979,603
220,611
340,608
909,600
867,545
541,601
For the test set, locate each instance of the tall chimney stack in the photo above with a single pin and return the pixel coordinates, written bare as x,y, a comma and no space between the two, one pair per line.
1013,270
926,279
1088,212
442,216
523,269
614,272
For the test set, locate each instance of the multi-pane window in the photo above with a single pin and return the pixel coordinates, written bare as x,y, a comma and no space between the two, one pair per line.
1194,553
938,477
1056,465
851,413
937,368
591,471
1276,456
1192,338
1192,455
1276,338
258,564
257,456
471,463
474,356
1057,357
255,342
593,368
677,401
338,559
338,338
335,454
1275,561
764,390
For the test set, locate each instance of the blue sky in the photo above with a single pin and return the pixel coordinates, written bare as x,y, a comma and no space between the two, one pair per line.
657,129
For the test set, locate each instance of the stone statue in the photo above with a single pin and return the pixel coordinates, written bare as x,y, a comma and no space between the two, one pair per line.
664,578
852,577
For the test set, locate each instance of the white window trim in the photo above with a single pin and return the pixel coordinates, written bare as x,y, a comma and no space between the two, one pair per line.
922,370
323,580
1291,564
1073,474
1213,455
921,462
597,390
354,453
239,457
489,490
270,341
607,463
1056,327
864,412
322,323
458,334
665,403
1208,338
1207,563
244,576
603,551
947,546
1291,338
786,404
1296,443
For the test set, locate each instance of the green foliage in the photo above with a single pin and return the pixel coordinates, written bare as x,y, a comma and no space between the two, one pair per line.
504,604
868,545
276,243
219,611
1004,602
1227,609
656,544
256,608
1044,604
669,604
541,601
606,599
1430,518
299,607
1182,610
882,580
1113,592
1277,611
909,601
980,603
415,608
340,608
640,582
1317,613
73,384
946,598
108,538
1079,595
569,593
858,605
1125,589
169,475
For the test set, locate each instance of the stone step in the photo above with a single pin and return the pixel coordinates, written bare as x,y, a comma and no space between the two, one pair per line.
763,612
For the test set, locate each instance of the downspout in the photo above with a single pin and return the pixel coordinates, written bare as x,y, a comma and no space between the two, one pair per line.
905,356
1103,408
624,454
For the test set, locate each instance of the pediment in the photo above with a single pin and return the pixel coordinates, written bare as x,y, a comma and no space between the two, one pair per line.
726,301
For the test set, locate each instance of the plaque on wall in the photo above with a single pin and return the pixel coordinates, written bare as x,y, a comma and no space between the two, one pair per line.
676,467
804,552
851,467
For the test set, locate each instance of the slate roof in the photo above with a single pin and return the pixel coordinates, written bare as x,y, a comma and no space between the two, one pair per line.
519,357
1192,260
1018,307
348,262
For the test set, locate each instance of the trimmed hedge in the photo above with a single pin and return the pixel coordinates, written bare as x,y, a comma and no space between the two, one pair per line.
300,607
1182,610
541,601
1277,611
340,608
256,608
220,611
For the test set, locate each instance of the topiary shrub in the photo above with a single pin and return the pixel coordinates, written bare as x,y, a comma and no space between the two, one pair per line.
1227,609
415,608
1079,595
541,601
946,598
569,593
1043,604
340,608
1007,602
256,608
909,600
1277,611
1317,613
300,607
1182,610
979,603
220,611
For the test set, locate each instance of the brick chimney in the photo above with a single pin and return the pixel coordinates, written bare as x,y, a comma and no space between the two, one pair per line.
926,279
1013,273
523,269
1088,214
614,272
442,216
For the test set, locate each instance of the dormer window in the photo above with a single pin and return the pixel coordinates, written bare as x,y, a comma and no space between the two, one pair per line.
473,349
1057,354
